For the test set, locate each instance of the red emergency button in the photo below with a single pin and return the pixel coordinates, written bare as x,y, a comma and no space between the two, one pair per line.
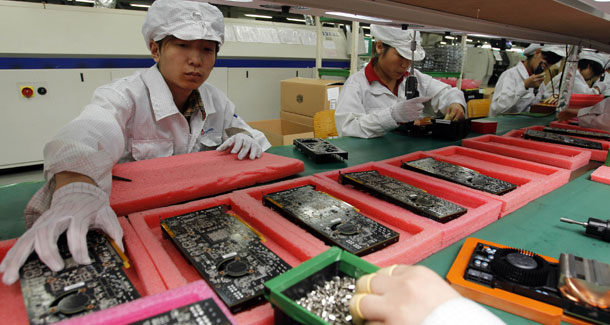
27,92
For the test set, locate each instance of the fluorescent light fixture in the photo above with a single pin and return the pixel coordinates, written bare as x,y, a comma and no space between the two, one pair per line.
296,19
468,40
139,5
443,42
367,35
486,46
353,16
483,36
85,1
239,0
449,37
601,0
367,27
258,16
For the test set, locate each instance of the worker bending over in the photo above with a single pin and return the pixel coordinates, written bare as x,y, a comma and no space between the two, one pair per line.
162,111
372,101
594,117
590,69
520,86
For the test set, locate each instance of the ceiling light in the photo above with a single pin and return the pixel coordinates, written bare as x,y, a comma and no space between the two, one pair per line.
486,46
468,40
85,1
365,27
442,42
348,15
240,0
601,0
296,19
449,37
258,16
139,5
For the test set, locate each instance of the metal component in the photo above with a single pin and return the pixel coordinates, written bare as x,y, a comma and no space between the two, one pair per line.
561,139
584,280
595,227
584,224
330,300
581,133
319,150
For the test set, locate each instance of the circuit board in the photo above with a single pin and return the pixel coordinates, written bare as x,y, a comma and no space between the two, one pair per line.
227,253
460,175
561,139
77,289
404,195
332,220
319,150
204,312
580,133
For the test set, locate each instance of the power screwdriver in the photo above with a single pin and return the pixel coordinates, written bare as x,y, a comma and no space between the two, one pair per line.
411,84
595,227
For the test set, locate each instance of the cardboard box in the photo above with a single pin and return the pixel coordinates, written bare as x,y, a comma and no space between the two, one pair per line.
281,132
296,118
307,96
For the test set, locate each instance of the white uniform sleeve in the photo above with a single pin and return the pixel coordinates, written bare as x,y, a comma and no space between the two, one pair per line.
352,120
461,311
90,145
596,117
506,95
232,120
442,95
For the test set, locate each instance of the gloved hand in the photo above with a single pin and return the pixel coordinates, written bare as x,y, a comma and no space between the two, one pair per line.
243,144
76,207
408,110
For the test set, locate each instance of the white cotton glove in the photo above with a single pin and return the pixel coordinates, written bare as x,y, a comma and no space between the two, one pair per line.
408,110
243,144
76,207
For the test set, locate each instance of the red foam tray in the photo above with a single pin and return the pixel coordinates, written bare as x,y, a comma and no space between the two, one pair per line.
540,152
601,174
176,271
481,210
142,274
170,180
533,179
416,240
597,155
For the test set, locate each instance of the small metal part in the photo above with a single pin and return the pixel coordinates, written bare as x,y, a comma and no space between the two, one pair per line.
580,133
561,139
330,300
595,227
584,280
319,150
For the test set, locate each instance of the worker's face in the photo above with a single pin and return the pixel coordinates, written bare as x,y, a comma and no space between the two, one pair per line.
392,64
538,63
184,65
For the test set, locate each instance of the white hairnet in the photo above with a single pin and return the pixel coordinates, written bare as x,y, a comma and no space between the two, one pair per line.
400,40
595,57
531,49
186,20
557,49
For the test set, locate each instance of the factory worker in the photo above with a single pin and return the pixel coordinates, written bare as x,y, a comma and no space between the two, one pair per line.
603,84
518,87
162,111
590,69
372,101
594,117
407,294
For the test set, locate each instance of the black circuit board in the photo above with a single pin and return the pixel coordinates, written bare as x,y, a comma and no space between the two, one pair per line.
332,220
319,150
407,196
77,289
460,175
561,139
227,253
204,312
580,133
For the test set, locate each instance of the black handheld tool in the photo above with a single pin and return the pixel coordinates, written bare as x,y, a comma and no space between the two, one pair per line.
595,227
411,84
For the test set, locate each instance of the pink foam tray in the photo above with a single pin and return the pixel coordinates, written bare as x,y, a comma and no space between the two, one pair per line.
176,271
566,125
416,240
532,179
170,180
141,273
601,174
150,306
481,210
597,155
540,152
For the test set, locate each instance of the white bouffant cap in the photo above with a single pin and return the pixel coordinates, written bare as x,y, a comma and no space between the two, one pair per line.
186,20
400,40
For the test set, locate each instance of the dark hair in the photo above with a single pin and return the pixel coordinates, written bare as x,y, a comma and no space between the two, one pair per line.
551,57
386,48
160,43
597,68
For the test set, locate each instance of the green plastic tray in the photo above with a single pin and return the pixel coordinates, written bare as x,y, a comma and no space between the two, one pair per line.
283,290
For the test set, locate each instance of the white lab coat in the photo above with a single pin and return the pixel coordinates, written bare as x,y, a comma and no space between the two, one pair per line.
604,86
580,85
363,109
134,118
596,116
510,94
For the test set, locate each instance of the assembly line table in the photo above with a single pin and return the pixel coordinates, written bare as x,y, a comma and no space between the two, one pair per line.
534,227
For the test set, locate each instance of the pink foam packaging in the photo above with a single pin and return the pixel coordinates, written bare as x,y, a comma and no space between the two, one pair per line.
150,306
481,210
141,273
540,152
170,180
176,271
601,174
566,125
416,240
597,155
532,179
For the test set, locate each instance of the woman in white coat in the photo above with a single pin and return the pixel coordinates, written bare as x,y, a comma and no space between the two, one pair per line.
590,69
372,101
518,87
163,111
594,117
